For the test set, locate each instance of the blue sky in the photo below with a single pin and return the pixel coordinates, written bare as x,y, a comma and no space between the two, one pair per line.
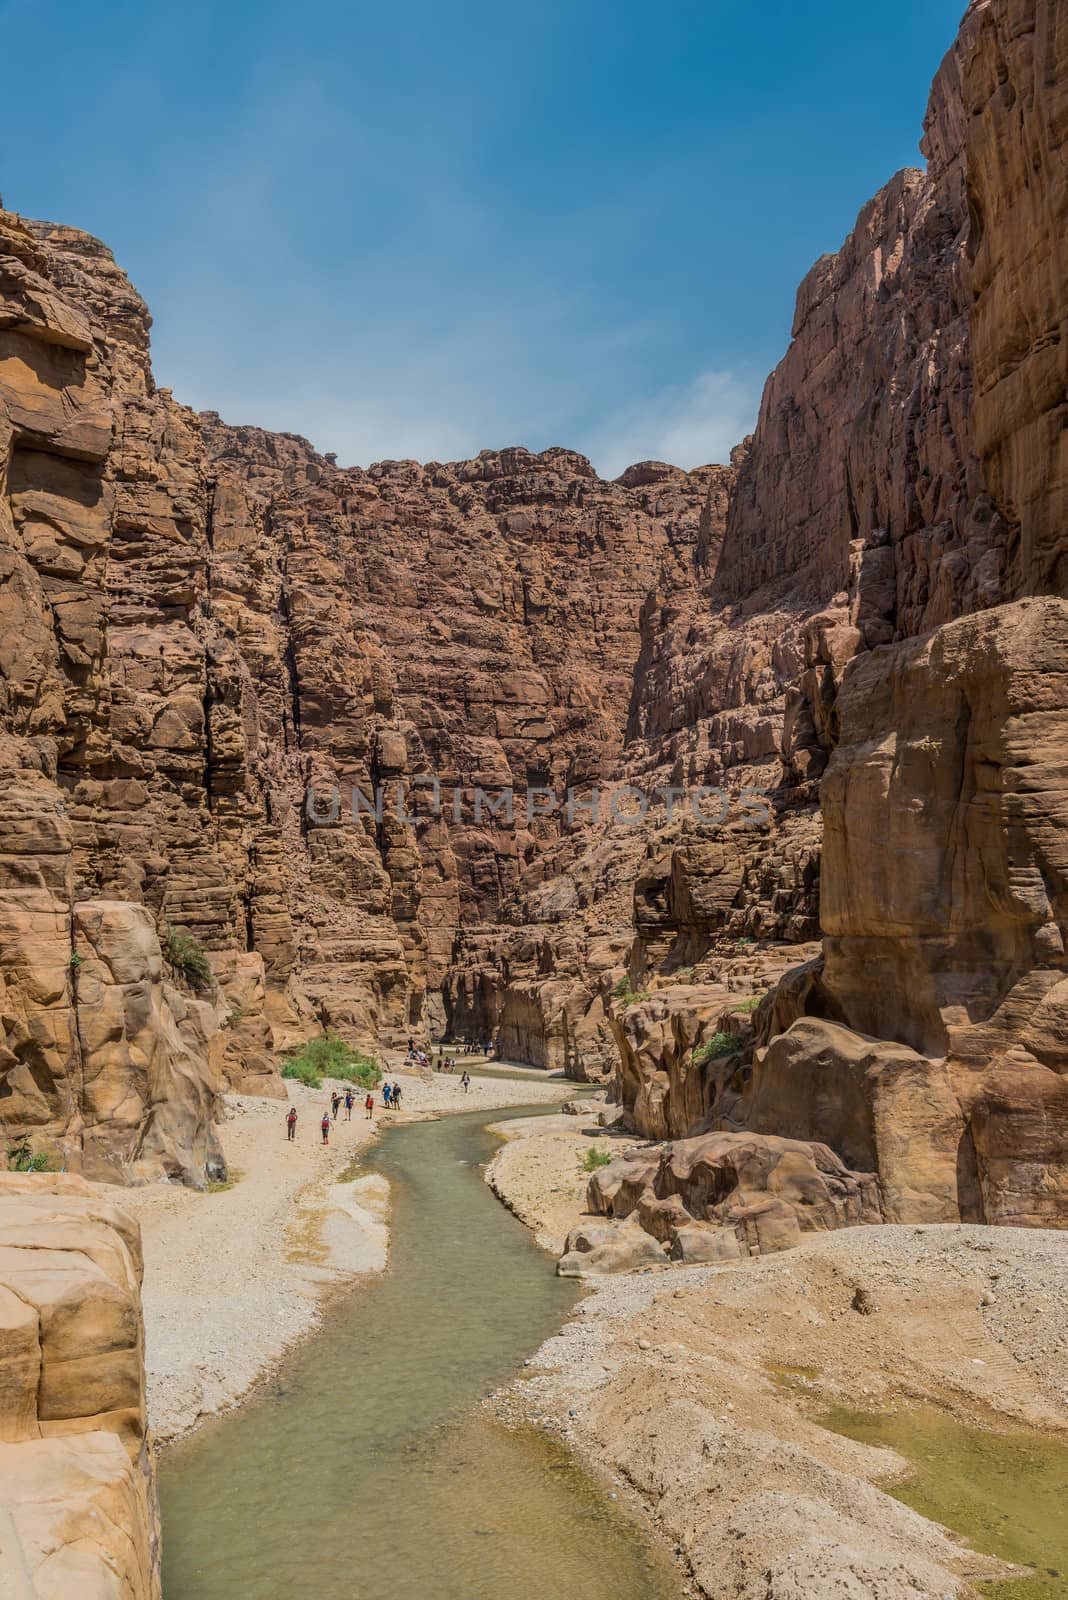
429,228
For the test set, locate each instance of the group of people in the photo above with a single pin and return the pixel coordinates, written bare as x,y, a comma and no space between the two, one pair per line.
448,1064
391,1099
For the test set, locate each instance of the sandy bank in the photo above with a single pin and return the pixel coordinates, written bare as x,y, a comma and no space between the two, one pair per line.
234,1278
700,1387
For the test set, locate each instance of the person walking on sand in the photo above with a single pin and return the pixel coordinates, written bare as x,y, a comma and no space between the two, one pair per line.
396,1096
369,1105
335,1104
465,1082
325,1126
291,1124
349,1097
386,1092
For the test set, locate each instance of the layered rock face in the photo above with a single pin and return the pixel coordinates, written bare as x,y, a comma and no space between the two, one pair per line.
1016,99
931,1045
472,626
107,832
206,624
209,624
77,1478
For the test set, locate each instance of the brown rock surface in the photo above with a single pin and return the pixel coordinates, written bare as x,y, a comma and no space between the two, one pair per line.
947,920
77,1478
722,1196
1016,97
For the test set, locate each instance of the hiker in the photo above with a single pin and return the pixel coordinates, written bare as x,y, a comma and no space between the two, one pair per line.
369,1105
386,1092
411,1047
325,1126
465,1082
335,1102
396,1095
291,1123
348,1105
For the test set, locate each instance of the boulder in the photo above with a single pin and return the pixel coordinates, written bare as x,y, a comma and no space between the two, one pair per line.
599,1249
77,1478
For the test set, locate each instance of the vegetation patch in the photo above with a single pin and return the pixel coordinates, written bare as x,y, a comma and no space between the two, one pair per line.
746,1008
220,1185
22,1158
189,958
629,996
596,1159
331,1057
720,1046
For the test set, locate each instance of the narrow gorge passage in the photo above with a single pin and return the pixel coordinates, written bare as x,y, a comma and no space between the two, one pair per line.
366,1469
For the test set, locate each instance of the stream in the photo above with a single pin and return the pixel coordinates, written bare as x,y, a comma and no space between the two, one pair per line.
365,1468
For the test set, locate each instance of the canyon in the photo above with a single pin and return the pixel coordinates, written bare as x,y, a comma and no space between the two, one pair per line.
269,725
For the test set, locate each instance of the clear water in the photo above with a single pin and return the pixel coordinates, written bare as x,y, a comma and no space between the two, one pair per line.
1007,1493
366,1469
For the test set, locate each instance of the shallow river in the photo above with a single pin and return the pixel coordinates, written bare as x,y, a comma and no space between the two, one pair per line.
365,1469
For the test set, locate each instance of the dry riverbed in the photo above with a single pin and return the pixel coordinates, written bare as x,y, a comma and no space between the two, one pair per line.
702,1387
235,1277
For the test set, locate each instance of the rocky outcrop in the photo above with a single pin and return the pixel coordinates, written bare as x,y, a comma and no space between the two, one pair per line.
1016,100
716,1198
127,736
928,1043
77,1479
947,921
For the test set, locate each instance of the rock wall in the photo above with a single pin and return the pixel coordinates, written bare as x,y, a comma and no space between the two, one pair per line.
929,1042
474,623
77,1477
1016,99
107,830
203,623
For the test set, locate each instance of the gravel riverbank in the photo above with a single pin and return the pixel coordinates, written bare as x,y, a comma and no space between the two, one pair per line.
702,1387
235,1277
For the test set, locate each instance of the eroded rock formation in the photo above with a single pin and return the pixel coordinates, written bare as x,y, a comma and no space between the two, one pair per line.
77,1478
716,1198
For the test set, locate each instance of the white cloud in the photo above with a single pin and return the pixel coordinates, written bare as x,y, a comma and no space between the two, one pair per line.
687,424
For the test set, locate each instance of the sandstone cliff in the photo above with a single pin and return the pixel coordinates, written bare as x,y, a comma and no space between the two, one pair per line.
77,1478
931,1046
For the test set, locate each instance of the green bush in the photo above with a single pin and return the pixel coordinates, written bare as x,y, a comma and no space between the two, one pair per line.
718,1047
303,1072
595,1159
20,1158
187,957
746,1008
331,1057
629,996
